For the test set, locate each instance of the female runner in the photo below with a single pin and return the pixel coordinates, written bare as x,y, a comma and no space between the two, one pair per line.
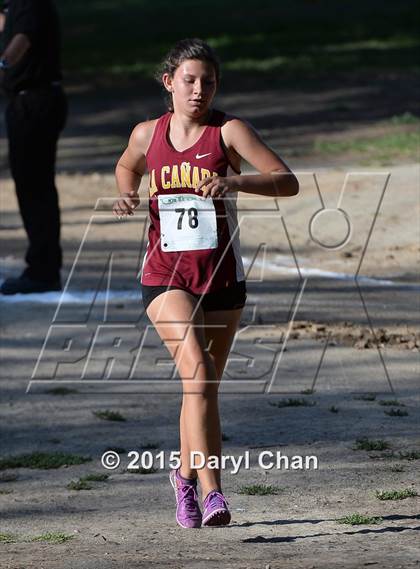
193,281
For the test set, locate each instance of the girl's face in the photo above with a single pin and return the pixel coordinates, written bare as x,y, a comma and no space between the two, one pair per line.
193,87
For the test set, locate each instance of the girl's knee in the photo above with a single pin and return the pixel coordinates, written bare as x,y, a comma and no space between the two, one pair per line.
204,388
196,365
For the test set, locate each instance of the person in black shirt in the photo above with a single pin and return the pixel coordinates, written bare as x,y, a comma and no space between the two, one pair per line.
35,115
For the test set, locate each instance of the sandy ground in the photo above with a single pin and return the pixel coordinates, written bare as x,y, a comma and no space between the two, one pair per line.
309,324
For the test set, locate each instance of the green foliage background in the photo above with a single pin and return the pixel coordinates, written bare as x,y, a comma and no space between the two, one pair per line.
263,37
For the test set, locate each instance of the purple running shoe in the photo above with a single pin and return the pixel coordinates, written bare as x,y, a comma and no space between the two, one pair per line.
216,511
188,513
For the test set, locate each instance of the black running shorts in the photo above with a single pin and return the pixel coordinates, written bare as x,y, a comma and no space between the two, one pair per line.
228,298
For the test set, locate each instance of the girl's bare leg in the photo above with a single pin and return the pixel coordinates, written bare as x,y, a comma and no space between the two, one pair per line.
180,324
219,340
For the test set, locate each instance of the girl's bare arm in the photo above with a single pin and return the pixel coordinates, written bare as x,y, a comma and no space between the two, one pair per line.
130,169
275,178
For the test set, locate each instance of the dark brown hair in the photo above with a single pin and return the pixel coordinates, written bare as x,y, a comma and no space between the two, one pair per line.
189,48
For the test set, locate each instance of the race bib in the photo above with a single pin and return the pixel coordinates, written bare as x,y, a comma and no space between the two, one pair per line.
187,222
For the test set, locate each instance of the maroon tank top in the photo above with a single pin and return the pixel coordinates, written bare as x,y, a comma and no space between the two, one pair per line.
193,242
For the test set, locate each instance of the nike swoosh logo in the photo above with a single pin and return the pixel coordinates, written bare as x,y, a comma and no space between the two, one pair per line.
198,156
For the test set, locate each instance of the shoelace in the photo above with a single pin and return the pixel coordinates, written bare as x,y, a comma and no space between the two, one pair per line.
189,497
215,498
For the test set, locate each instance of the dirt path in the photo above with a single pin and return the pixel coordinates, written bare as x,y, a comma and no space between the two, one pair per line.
129,519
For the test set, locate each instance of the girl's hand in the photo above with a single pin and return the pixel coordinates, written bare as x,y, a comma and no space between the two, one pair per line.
126,204
216,186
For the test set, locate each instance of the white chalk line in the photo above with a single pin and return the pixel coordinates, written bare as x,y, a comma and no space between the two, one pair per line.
282,267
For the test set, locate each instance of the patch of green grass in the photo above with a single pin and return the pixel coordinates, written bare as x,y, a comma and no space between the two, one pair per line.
150,470
409,455
397,468
260,490
107,415
308,391
6,492
379,149
83,482
405,118
359,519
61,391
392,402
402,455
95,477
365,397
79,485
52,537
370,444
293,402
396,413
384,455
333,409
395,494
142,470
8,538
42,460
11,477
